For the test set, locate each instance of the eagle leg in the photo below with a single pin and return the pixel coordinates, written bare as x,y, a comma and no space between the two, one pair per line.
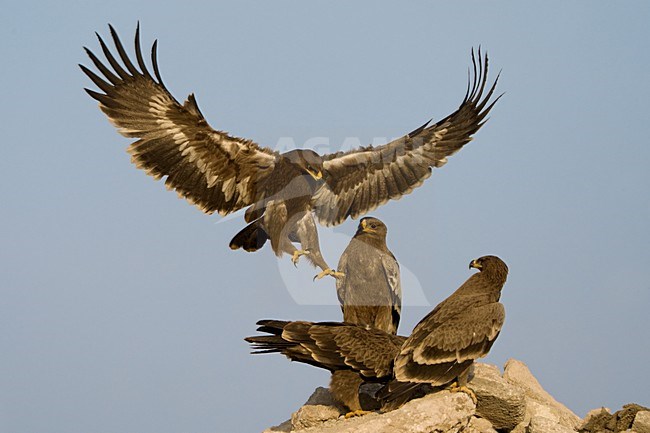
359,412
331,272
296,256
344,387
455,388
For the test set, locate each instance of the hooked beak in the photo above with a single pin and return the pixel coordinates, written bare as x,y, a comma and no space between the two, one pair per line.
316,175
365,227
476,265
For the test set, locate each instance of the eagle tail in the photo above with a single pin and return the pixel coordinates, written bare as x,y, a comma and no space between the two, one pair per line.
250,238
273,343
300,341
395,394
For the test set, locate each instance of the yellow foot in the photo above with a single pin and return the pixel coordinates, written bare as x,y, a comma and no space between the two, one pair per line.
358,412
455,388
328,271
296,256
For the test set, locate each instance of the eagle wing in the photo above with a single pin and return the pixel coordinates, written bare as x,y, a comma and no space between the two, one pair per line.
438,352
468,335
358,181
330,345
392,273
209,168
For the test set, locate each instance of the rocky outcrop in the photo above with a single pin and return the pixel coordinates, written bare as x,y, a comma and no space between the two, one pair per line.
641,422
510,402
543,412
439,412
631,418
499,402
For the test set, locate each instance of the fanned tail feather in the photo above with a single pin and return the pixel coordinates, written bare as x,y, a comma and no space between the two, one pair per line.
250,238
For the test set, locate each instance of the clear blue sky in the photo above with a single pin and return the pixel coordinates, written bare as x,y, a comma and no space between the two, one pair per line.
122,308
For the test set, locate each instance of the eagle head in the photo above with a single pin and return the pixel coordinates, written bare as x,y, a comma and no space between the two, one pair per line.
372,226
307,161
491,265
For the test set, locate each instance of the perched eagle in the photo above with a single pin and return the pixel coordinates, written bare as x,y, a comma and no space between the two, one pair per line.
440,350
221,173
370,294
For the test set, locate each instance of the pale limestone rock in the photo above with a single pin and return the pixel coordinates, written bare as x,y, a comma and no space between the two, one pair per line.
535,408
500,402
597,413
479,425
319,408
442,412
313,415
539,424
642,422
517,373
445,412
522,427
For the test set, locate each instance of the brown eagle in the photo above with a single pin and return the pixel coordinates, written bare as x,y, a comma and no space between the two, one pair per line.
370,294
440,350
221,173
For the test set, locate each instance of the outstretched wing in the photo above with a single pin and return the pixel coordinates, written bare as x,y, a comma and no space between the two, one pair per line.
209,168
358,181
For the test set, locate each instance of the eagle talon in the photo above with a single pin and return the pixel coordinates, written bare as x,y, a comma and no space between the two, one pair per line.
455,388
329,271
296,256
358,412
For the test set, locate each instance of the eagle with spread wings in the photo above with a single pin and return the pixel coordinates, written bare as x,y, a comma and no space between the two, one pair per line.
283,193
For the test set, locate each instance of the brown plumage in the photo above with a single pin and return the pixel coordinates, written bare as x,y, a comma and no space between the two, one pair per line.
462,328
370,294
221,173
441,348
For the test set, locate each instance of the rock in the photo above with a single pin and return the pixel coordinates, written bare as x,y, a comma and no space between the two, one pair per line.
540,424
440,412
539,402
593,414
537,409
285,427
641,422
601,420
627,415
320,407
321,396
596,420
479,425
522,427
514,403
313,415
501,403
